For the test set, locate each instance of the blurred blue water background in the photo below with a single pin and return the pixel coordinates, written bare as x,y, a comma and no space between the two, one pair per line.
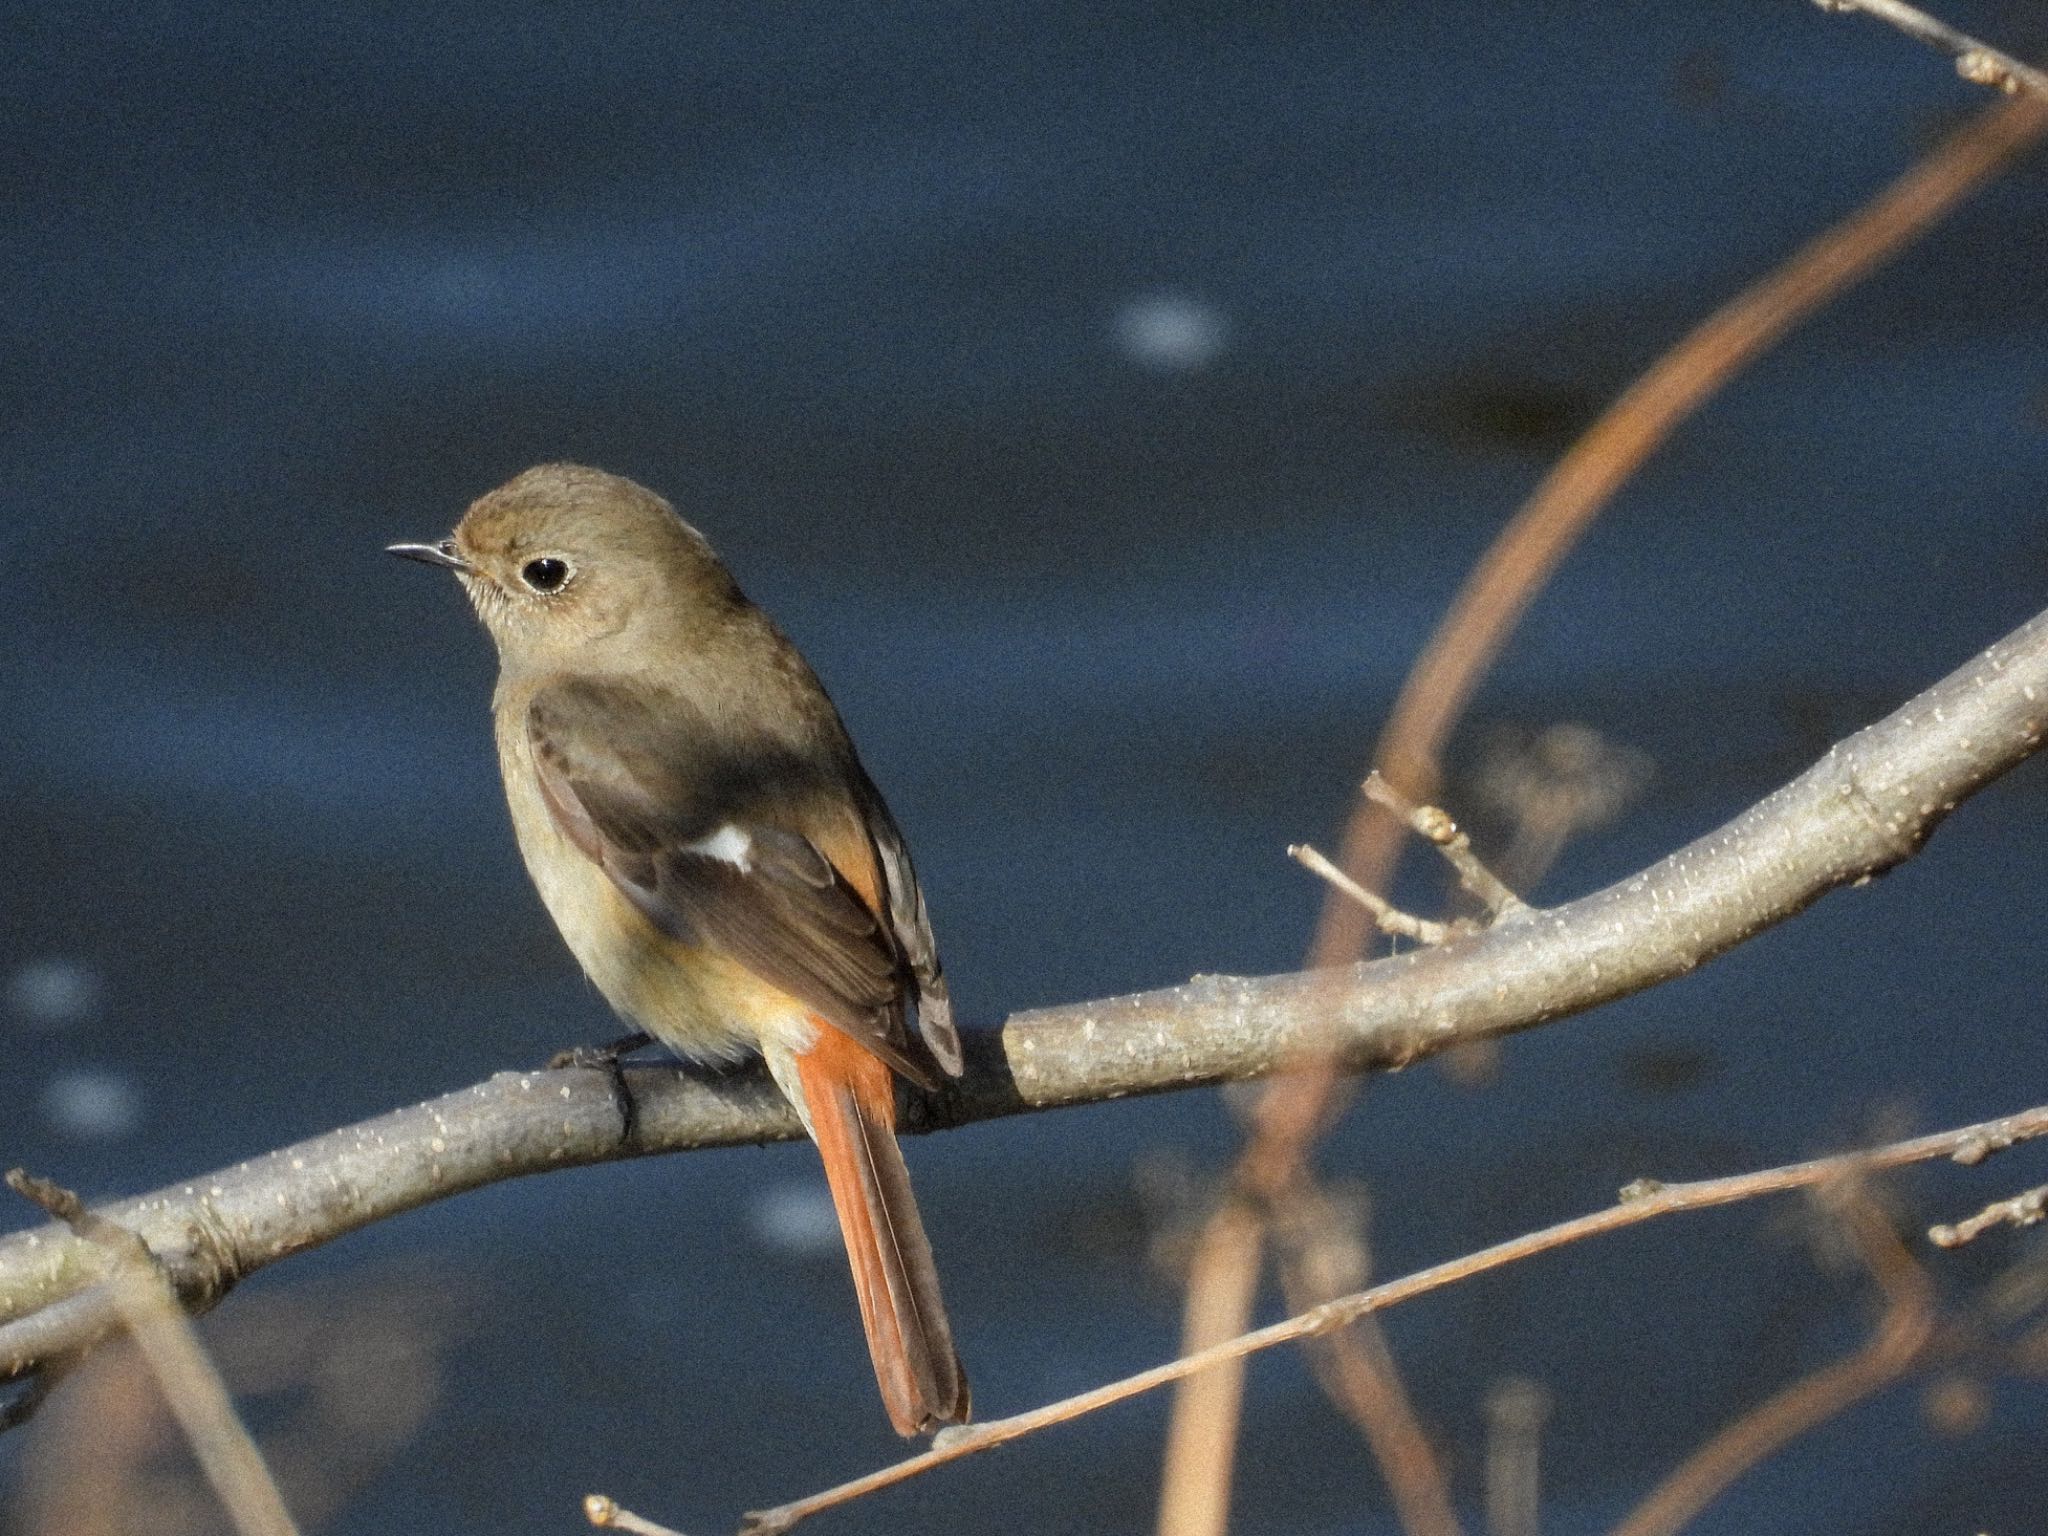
1108,399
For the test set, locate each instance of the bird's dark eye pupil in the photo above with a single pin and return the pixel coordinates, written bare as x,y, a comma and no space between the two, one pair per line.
545,574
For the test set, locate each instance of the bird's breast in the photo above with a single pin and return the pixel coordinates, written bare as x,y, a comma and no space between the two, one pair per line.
693,999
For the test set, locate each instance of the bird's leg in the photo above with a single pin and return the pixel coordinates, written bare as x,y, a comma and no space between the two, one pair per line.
600,1057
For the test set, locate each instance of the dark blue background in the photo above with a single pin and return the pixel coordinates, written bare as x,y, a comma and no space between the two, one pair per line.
866,291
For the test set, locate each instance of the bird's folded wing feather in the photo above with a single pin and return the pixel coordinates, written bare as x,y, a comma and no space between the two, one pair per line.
913,929
689,841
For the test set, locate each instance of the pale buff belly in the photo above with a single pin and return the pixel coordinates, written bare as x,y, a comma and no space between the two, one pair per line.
692,999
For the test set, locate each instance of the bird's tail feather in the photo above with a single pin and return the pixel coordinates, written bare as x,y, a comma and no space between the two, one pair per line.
849,1096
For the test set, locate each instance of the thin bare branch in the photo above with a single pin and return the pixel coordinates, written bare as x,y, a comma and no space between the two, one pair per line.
1977,62
1359,1373
607,1513
1435,826
1866,806
1386,917
1643,1200
2022,1210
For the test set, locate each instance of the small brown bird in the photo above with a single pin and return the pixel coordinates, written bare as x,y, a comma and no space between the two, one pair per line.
691,809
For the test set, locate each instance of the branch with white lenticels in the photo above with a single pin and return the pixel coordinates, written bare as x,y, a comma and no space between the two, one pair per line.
1868,804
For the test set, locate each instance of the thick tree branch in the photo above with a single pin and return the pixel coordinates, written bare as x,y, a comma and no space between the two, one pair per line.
1864,807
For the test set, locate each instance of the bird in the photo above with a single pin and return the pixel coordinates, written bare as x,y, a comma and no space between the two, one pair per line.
693,814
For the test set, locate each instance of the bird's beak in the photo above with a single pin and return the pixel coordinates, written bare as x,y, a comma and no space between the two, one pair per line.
442,554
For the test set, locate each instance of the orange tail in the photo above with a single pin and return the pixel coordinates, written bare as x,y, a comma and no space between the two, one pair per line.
851,1098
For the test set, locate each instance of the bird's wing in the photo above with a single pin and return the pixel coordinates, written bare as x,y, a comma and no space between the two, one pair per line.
727,848
913,931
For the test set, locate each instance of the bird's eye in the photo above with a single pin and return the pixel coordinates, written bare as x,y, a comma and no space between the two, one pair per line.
547,574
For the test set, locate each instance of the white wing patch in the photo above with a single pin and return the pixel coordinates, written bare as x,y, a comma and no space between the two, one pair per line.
729,845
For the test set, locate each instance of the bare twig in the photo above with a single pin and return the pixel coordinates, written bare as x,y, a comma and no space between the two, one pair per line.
190,1384
1903,1333
1977,62
1645,1200
1435,826
2020,1211
1356,1367
1386,917
1868,805
603,1511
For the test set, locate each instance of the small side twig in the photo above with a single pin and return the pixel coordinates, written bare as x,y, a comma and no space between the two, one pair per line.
2022,1210
1535,542
1436,826
149,1309
1976,62
605,1512
1386,917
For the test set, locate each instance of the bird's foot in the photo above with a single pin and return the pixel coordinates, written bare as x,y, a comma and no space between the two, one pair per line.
609,1059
